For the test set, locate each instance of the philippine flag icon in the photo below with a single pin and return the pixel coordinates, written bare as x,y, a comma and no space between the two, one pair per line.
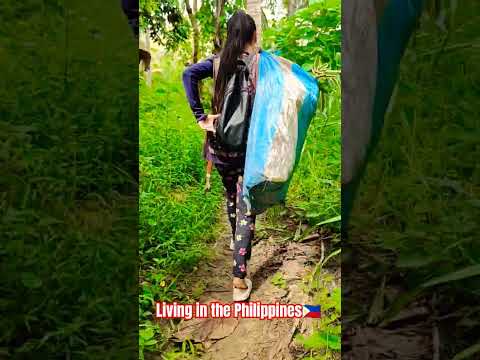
311,311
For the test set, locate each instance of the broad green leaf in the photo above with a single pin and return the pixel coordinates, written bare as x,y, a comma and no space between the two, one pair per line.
150,342
146,333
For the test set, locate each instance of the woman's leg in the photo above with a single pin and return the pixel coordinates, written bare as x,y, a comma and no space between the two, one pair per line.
245,229
243,223
229,177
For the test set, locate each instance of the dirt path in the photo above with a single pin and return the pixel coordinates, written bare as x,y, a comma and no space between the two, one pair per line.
240,339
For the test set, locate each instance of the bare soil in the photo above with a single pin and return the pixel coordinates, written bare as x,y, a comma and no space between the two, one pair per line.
242,339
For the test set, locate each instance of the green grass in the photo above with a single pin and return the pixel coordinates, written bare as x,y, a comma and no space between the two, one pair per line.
423,179
315,189
314,197
313,201
175,220
418,202
68,198
176,216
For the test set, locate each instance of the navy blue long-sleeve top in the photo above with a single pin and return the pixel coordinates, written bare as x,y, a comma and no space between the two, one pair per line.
191,76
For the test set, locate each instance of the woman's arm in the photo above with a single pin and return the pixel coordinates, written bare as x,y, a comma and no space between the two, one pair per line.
191,76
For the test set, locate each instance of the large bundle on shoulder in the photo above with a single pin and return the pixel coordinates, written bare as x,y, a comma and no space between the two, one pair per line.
285,103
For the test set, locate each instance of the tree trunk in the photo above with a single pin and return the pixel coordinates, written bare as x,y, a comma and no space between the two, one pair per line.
359,65
291,7
264,19
302,4
193,21
219,10
254,9
294,5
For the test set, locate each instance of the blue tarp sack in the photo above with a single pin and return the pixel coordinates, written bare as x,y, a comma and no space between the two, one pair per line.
285,103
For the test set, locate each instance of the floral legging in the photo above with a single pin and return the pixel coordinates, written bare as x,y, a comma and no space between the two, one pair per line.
242,222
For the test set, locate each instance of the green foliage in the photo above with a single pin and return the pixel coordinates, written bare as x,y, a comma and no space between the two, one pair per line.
279,281
188,351
311,38
206,21
164,21
325,341
423,178
312,33
146,338
67,204
176,220
433,159
321,340
206,18
468,352
168,25
176,215
315,190
314,193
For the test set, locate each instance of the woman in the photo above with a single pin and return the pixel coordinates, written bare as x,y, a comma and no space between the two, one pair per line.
241,43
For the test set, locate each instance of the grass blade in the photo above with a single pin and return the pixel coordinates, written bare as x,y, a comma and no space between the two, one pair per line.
467,272
331,220
468,352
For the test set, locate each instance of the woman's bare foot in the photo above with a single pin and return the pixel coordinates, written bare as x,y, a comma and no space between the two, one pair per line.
239,283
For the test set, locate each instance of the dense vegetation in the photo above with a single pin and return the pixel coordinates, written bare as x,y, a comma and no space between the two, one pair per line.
177,216
312,38
68,190
418,202
315,188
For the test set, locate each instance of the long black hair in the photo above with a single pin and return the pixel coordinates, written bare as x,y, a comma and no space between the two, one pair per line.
240,32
